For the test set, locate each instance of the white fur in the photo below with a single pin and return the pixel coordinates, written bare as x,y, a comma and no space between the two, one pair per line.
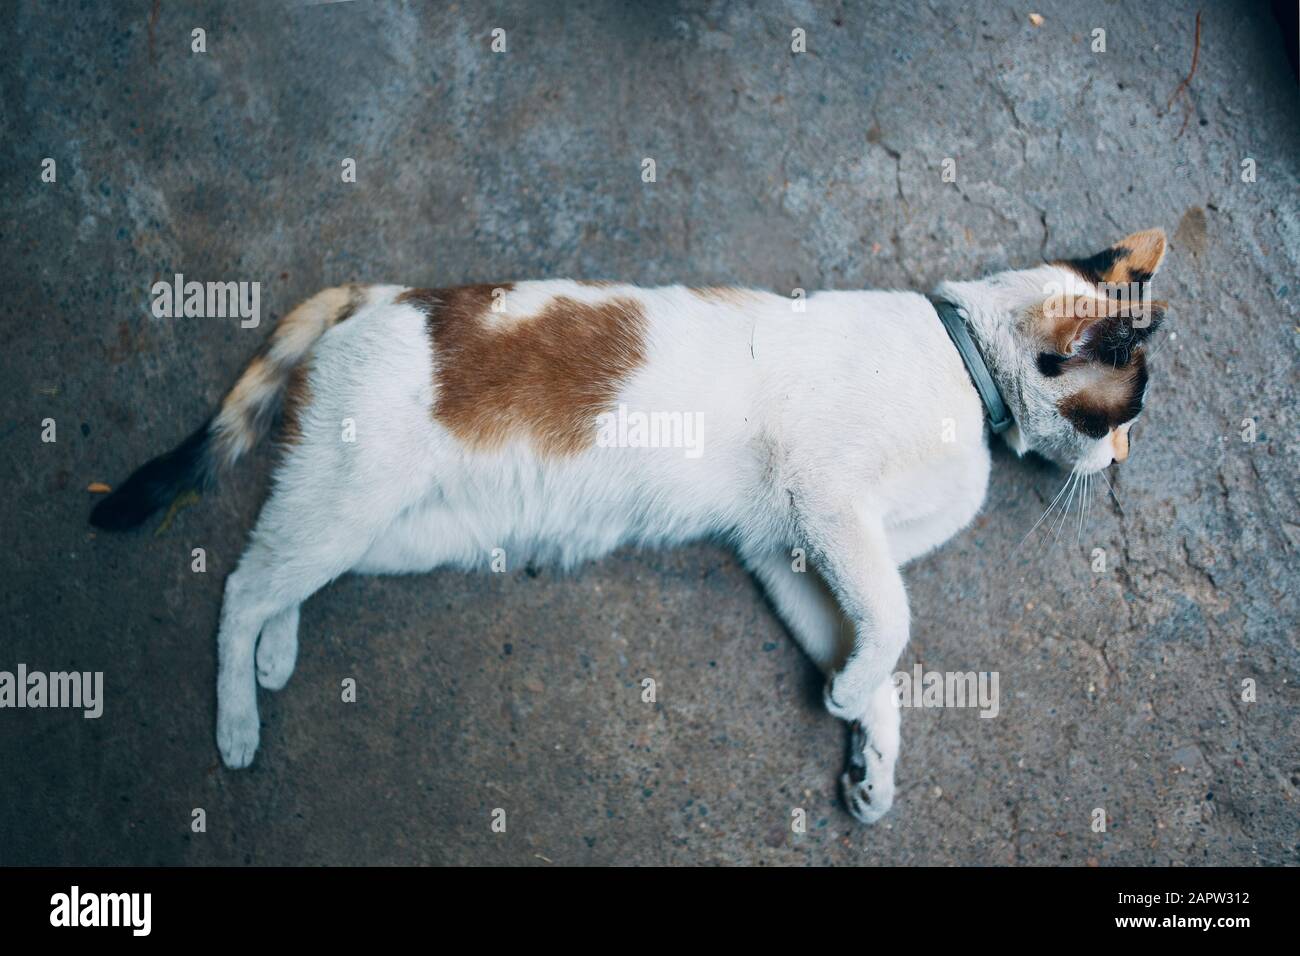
824,430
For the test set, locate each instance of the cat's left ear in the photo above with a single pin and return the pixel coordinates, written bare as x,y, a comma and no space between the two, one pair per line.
1134,258
1094,327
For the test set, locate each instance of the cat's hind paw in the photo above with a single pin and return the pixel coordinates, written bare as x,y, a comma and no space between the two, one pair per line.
237,735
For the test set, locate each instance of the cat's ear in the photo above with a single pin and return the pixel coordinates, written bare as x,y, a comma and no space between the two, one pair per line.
1064,319
1134,258
1094,327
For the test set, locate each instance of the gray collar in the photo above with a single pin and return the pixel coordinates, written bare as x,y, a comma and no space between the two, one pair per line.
954,320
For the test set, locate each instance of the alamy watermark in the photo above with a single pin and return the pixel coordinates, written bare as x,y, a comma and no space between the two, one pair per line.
77,689
208,300
655,429
922,688
75,908
1131,299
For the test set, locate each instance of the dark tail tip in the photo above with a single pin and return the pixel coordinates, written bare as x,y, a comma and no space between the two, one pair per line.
154,485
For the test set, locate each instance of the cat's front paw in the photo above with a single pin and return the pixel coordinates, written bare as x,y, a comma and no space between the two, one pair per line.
868,802
237,735
868,783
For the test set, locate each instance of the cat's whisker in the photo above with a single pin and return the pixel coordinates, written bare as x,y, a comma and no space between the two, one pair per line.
1055,522
1111,488
1089,510
1064,519
1078,518
1065,511
1051,504
1046,511
1083,504
1069,503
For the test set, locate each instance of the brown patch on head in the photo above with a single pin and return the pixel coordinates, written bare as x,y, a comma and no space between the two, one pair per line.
297,396
1134,258
726,294
1111,399
547,376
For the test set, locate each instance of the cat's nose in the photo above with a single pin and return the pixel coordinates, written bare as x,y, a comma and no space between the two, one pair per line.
1119,443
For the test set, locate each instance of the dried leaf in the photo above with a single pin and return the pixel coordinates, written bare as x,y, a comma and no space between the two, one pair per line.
183,500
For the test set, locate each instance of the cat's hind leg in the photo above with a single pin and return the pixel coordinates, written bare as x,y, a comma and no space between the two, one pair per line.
311,530
274,576
399,549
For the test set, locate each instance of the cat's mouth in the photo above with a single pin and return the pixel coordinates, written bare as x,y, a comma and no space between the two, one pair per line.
1096,460
1106,451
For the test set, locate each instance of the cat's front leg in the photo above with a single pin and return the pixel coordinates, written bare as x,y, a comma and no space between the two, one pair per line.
856,562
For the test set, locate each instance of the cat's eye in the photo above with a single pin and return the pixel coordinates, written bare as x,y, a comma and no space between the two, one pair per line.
1049,363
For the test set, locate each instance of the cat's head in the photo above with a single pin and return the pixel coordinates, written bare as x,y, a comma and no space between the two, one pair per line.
1066,342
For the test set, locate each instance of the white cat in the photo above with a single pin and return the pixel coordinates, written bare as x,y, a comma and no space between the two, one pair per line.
428,428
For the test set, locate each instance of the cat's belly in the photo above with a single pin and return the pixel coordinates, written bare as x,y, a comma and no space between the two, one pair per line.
503,519
436,535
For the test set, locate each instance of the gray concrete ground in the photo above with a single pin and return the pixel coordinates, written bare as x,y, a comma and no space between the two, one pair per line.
1120,690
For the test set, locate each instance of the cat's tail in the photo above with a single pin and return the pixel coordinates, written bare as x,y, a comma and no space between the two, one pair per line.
244,418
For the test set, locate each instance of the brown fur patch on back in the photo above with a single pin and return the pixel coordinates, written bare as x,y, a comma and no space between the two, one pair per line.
729,295
547,376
